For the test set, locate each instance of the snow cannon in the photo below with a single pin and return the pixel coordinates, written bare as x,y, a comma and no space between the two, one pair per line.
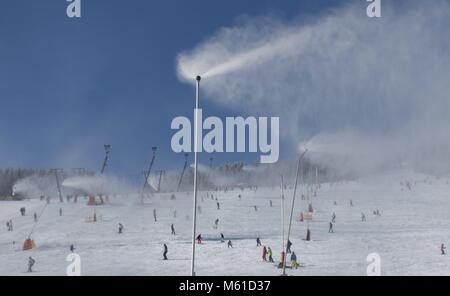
28,244
92,201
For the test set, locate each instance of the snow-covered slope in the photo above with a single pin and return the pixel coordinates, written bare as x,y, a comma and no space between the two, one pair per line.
407,235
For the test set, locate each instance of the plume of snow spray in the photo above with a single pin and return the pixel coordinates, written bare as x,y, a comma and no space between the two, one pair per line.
374,91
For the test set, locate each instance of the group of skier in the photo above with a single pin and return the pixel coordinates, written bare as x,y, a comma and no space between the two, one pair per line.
267,254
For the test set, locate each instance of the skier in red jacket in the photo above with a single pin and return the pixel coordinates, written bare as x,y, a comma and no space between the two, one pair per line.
264,254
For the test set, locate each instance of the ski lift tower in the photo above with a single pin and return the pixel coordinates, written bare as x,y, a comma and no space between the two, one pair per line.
186,155
105,162
147,173
161,173
58,184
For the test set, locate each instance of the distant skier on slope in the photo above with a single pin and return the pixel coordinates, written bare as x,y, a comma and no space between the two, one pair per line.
216,223
294,264
31,263
120,228
199,239
330,230
154,215
165,252
333,217
289,245
72,248
269,253
218,205
443,249
258,242
282,259
264,253
173,229
230,244
35,217
363,217
222,238
270,203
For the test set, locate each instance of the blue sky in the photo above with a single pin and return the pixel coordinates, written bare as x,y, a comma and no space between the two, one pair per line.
67,86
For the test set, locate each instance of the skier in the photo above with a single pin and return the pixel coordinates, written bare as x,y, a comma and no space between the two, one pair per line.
351,203
282,259
330,230
264,254
308,235
216,223
7,226
333,217
154,215
22,211
120,228
218,205
289,245
10,225
240,197
31,262
363,217
258,242
256,209
222,238
269,252
270,203
72,248
173,229
294,264
35,217
165,252
230,245
199,239
443,249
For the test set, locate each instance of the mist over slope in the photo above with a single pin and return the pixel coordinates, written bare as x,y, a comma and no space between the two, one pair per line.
372,93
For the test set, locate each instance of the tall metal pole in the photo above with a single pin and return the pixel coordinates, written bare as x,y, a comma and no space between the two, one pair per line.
182,172
105,162
160,177
147,173
282,211
292,208
58,184
196,148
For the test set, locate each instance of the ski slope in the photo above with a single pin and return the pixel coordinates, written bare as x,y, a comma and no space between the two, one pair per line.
407,235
